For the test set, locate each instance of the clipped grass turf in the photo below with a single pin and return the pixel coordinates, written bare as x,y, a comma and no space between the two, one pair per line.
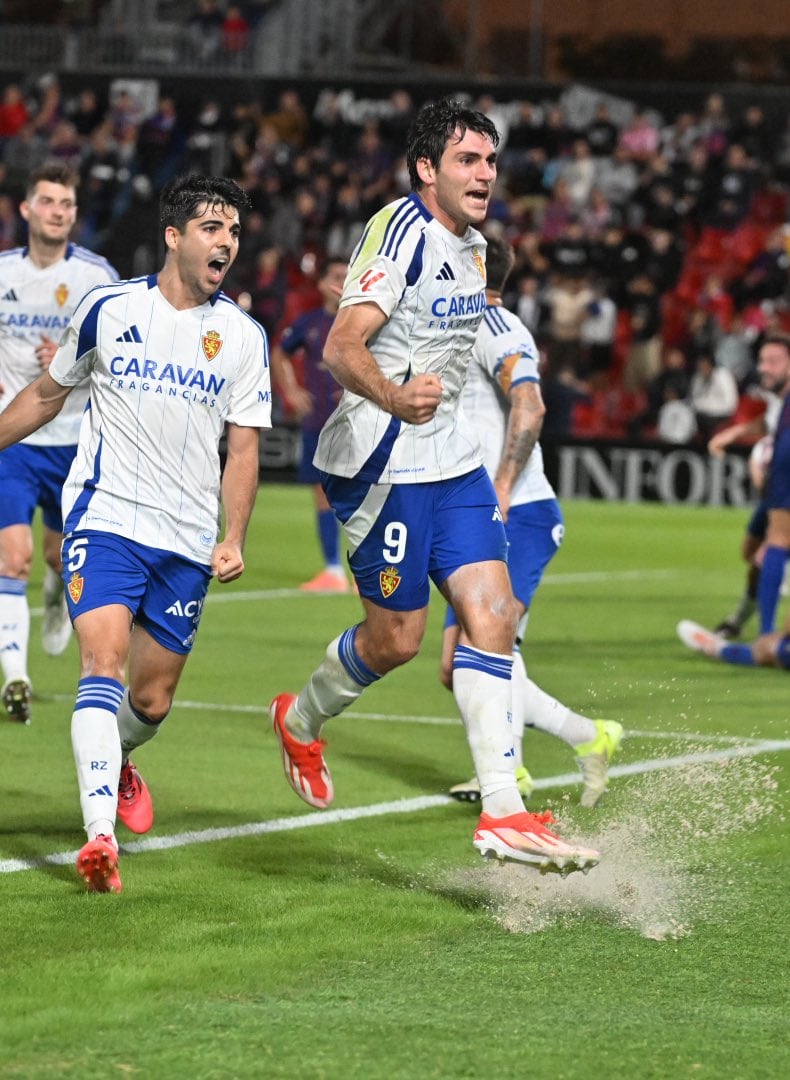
384,947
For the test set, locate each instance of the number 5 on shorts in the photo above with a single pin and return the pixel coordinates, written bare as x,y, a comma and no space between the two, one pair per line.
77,554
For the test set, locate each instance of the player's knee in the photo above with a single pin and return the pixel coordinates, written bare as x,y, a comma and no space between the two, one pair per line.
150,700
766,650
15,562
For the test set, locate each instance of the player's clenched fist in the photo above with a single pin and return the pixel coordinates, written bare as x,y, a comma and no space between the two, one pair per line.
417,400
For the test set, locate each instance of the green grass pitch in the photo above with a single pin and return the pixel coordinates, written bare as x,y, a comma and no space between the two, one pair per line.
376,943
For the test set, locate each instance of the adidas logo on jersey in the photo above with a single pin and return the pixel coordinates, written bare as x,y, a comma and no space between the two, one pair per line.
497,514
446,273
105,789
10,295
132,334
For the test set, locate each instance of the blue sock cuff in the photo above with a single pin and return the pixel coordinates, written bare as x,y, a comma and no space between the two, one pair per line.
737,652
99,692
13,586
466,657
349,658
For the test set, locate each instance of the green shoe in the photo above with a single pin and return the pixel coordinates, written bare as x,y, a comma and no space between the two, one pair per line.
593,758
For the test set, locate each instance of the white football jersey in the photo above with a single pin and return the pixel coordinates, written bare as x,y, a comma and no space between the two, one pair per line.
35,302
505,354
431,286
163,384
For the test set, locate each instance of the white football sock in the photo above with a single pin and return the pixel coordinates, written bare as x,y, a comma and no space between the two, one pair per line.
333,686
535,708
14,628
134,729
482,689
97,752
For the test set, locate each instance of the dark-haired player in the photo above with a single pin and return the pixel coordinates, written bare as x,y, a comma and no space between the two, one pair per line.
402,469
172,363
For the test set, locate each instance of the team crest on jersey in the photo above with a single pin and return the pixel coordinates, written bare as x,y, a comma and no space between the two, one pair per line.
479,262
75,587
61,294
212,343
389,580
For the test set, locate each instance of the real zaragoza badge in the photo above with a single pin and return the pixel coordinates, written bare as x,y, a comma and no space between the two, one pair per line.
75,587
389,580
212,343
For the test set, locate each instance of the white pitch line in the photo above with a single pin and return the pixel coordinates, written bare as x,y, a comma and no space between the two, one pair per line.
436,721
592,577
400,806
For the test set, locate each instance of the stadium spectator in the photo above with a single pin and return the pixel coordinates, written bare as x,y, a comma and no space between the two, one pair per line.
766,276
235,36
640,138
602,134
567,302
617,178
14,113
597,335
643,357
578,172
713,393
204,31
85,112
676,422
671,383
733,350
734,190
290,119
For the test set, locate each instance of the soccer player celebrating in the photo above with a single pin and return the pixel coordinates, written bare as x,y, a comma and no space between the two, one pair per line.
40,286
313,404
403,472
502,398
172,362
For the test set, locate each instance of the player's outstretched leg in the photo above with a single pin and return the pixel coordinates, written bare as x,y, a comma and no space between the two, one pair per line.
303,763
16,700
594,757
135,808
699,639
97,863
525,838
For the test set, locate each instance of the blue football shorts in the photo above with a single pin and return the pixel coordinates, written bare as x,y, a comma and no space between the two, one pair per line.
402,535
32,476
777,490
534,533
163,591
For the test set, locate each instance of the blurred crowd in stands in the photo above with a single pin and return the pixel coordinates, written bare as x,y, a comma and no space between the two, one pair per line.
652,256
